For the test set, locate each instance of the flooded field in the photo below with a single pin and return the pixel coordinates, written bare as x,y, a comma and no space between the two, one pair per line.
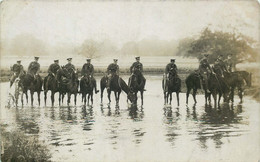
149,133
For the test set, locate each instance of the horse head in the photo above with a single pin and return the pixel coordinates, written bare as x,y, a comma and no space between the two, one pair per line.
131,96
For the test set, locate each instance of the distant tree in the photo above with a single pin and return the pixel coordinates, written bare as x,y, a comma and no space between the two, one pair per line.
215,43
90,48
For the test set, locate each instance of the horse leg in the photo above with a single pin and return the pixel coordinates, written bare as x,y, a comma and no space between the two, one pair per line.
142,97
31,97
171,99
240,94
178,101
45,97
219,98
88,98
194,94
116,97
187,94
75,99
26,95
62,99
52,98
232,94
59,98
68,100
22,98
91,98
108,95
214,94
39,97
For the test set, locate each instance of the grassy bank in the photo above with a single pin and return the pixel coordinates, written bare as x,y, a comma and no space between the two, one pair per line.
17,146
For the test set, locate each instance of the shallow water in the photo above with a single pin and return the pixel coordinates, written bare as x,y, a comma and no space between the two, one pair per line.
152,132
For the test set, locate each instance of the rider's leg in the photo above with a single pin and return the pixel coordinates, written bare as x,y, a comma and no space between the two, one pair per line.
47,83
206,83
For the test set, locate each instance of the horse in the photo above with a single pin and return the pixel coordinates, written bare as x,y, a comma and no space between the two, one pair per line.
117,85
136,83
170,85
192,83
72,86
216,86
62,78
87,88
32,83
237,80
52,85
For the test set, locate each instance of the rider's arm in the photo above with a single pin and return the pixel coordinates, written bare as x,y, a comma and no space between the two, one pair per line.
38,70
141,68
131,68
50,69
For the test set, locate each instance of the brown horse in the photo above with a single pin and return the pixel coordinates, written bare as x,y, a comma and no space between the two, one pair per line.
170,85
33,84
117,85
136,83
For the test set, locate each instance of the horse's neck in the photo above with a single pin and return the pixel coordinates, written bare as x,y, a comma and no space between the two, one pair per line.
124,87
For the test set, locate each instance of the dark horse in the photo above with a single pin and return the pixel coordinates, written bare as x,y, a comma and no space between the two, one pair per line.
72,86
192,83
136,83
34,84
170,85
117,85
216,86
237,80
53,85
87,88
62,79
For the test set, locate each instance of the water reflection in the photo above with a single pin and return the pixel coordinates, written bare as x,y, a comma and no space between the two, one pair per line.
219,123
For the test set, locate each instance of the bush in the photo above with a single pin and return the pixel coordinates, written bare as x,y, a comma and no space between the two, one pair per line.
20,147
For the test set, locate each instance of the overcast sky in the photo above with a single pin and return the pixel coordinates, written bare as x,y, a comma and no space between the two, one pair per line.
58,22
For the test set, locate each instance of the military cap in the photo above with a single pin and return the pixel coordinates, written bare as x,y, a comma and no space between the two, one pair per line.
69,59
18,61
56,60
36,57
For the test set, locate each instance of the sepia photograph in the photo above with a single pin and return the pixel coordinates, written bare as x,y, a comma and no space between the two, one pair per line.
130,80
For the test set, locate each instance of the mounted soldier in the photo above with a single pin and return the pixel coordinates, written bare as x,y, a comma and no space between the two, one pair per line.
229,63
112,70
171,69
52,71
69,66
219,66
137,66
170,72
87,72
17,71
34,68
204,70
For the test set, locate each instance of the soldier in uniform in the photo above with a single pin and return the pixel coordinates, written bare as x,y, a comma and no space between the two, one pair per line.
229,63
17,70
204,69
112,70
53,68
137,66
69,66
88,71
34,68
171,66
220,66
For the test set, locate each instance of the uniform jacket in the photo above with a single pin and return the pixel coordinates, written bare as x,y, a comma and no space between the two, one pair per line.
87,69
136,65
33,68
53,68
204,66
17,68
114,68
169,66
70,67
